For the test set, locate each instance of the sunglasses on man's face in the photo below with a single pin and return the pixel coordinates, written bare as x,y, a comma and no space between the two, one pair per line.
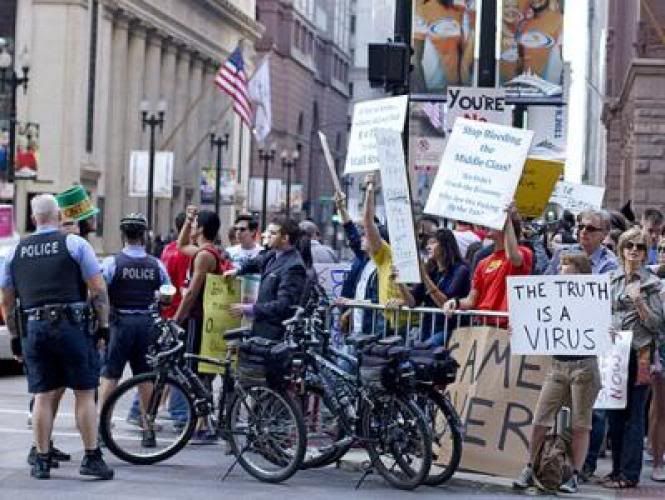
588,228
640,247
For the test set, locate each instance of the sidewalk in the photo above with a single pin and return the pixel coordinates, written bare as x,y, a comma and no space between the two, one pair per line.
357,460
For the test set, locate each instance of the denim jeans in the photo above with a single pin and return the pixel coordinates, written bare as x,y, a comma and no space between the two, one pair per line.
627,434
177,407
598,424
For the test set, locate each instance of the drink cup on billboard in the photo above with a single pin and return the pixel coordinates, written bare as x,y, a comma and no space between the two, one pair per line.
419,29
508,66
446,35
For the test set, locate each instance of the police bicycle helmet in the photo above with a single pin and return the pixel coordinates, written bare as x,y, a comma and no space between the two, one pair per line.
133,223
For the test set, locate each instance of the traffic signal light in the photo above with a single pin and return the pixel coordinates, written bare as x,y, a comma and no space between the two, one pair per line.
388,65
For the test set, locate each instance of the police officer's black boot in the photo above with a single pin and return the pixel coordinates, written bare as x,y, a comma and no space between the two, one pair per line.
55,454
93,465
41,469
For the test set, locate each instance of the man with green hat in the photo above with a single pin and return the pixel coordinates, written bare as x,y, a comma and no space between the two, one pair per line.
77,211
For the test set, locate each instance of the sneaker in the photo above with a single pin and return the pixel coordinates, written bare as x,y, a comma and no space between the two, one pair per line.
148,439
202,437
658,473
525,479
93,465
570,486
586,474
32,457
59,455
41,469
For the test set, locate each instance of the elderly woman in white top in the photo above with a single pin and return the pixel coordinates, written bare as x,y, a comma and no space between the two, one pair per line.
636,306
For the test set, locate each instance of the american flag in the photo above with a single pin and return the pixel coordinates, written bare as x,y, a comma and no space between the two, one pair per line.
232,80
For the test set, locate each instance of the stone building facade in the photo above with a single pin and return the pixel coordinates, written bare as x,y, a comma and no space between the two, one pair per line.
94,61
307,42
634,113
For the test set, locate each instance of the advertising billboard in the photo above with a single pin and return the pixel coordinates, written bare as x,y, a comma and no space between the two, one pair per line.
531,65
443,40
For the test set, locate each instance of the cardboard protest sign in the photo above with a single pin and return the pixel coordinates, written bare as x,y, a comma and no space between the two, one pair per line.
397,201
495,395
219,294
331,277
388,113
577,197
536,185
565,314
249,291
613,366
479,172
477,103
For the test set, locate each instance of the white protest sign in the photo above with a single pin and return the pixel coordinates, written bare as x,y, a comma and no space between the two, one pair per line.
613,366
398,205
577,197
479,172
387,113
564,315
477,103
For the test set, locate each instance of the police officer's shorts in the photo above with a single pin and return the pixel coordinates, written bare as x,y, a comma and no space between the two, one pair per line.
131,336
61,354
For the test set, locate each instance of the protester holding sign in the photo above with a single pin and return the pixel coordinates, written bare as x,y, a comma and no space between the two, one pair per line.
573,380
636,306
488,288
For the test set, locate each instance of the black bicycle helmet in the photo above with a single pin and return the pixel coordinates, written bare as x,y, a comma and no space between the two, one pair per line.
134,223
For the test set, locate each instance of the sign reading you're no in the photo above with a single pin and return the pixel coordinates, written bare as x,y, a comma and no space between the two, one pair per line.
563,315
479,172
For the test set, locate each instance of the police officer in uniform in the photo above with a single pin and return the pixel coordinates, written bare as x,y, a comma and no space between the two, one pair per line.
132,277
52,274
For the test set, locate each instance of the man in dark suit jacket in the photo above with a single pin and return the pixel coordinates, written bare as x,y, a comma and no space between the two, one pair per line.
282,281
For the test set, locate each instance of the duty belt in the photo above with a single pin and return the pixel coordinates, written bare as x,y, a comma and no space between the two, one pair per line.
76,312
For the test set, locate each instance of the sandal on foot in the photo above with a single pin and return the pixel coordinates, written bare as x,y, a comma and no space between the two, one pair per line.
620,484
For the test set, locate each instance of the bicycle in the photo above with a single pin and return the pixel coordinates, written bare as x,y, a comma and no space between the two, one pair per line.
260,421
382,418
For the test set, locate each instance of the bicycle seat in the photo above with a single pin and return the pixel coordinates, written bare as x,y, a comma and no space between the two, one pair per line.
237,333
392,340
360,341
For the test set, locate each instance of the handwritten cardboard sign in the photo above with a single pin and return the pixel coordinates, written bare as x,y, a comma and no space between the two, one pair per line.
565,314
388,113
613,366
536,185
495,395
479,172
397,201
477,103
577,197
219,294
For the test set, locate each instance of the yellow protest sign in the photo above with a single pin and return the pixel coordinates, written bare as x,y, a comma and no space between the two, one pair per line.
219,294
536,185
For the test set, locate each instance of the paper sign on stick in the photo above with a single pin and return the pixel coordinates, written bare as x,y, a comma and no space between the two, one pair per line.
613,366
479,172
388,113
564,315
329,161
398,206
577,197
536,185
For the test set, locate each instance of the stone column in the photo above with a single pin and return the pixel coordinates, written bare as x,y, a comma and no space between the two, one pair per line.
135,82
115,171
151,92
193,169
166,208
183,63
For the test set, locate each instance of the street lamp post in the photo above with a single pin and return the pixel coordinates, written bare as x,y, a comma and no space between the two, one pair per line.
289,159
152,120
9,77
217,141
267,157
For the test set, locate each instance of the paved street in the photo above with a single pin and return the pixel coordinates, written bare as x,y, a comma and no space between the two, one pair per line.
197,470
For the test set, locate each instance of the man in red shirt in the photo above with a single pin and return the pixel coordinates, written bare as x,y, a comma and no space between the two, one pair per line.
177,264
488,290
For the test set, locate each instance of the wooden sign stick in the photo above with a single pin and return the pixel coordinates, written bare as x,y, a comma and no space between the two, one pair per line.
329,162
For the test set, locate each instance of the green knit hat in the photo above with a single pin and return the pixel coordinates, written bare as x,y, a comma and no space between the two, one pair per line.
75,204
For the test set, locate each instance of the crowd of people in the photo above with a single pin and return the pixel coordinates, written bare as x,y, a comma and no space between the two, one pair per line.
463,267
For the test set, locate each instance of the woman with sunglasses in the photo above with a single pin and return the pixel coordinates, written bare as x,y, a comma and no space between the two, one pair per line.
636,306
657,410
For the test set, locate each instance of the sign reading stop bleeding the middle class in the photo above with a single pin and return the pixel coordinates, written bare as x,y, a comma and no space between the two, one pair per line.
479,172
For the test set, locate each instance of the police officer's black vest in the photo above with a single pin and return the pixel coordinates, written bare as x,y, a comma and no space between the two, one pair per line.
134,282
45,273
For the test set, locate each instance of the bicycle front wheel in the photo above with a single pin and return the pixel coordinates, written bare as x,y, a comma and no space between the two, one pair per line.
147,419
398,440
266,433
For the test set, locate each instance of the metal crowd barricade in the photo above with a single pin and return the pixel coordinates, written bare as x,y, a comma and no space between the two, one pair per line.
409,321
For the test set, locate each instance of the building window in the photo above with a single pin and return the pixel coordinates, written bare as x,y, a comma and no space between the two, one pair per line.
352,27
92,73
350,89
296,34
301,123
